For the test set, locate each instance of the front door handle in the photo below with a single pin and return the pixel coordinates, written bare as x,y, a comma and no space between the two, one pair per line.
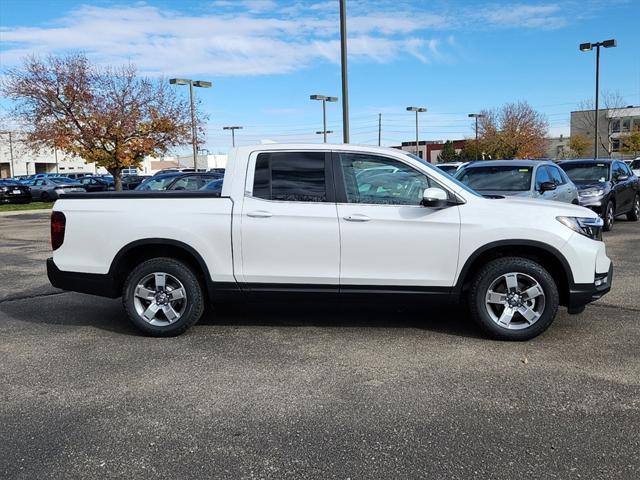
356,217
259,214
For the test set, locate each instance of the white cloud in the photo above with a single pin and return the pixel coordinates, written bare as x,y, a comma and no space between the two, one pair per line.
259,37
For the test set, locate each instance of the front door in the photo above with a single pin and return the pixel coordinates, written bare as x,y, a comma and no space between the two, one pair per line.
387,237
290,233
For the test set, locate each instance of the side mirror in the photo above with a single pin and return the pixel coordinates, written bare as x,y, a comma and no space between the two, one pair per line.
435,198
547,187
622,178
179,188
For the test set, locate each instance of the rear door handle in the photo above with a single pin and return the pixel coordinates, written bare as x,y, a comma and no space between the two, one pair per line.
259,214
356,217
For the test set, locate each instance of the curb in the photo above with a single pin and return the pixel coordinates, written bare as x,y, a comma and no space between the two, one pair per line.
21,212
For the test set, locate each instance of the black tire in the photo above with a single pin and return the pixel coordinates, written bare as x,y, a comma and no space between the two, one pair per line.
44,197
608,216
527,269
190,311
634,213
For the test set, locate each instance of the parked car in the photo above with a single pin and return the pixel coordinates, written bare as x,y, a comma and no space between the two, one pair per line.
522,178
608,187
130,182
634,165
297,219
77,175
97,184
179,170
129,171
48,189
178,181
12,191
450,167
213,186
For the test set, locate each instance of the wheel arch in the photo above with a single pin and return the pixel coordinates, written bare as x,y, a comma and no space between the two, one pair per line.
134,253
547,256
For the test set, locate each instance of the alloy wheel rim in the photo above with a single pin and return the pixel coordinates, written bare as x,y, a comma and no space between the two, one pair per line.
160,299
515,301
610,214
636,207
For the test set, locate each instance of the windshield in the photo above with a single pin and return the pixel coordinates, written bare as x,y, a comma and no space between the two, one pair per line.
498,178
9,182
442,172
156,183
447,168
587,172
635,165
60,181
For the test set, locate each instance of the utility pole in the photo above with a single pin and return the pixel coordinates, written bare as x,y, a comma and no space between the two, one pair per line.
11,154
343,61
379,128
477,116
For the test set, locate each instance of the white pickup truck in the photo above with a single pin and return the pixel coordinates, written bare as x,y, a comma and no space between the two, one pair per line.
330,219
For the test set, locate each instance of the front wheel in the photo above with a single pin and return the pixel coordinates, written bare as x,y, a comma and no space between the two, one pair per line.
609,216
634,214
163,297
513,298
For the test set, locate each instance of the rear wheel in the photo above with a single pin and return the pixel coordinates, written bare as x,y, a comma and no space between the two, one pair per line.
609,216
163,297
634,214
513,298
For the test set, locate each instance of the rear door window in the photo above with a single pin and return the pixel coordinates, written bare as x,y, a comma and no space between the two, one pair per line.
291,176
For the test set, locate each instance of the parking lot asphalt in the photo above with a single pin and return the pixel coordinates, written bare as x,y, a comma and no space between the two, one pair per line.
328,392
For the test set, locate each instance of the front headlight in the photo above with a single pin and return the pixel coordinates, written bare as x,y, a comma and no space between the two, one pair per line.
589,227
597,192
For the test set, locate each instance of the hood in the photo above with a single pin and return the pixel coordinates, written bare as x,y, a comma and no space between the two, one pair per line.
592,185
557,208
503,193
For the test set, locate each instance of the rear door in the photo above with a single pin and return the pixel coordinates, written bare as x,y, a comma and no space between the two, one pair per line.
388,239
289,225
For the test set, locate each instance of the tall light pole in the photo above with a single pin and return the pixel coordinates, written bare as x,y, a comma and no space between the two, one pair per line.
343,63
587,47
417,110
324,100
194,130
233,133
476,116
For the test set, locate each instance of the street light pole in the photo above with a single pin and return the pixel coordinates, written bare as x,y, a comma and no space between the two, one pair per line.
476,116
324,100
233,134
587,47
343,62
194,129
417,110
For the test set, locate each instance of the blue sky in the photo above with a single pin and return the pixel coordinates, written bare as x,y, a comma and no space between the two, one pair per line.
266,57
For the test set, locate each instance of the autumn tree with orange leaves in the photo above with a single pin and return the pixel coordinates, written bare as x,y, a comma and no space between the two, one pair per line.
515,130
108,116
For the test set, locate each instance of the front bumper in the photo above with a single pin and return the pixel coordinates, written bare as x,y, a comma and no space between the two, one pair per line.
580,294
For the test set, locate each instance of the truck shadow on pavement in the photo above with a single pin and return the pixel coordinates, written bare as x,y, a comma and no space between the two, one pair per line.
72,309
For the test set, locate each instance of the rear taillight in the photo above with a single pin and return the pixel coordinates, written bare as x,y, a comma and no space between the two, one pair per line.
58,225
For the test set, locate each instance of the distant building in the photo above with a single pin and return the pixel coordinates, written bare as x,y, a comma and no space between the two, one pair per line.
429,149
612,124
558,148
17,159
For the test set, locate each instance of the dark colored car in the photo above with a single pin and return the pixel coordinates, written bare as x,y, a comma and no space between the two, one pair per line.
12,191
77,175
539,179
130,182
97,184
178,181
607,187
214,186
48,189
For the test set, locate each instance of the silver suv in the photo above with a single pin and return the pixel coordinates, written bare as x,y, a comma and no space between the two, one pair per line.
524,178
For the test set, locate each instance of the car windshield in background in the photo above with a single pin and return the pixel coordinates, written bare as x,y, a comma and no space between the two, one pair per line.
587,172
61,181
447,168
498,178
156,183
7,183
